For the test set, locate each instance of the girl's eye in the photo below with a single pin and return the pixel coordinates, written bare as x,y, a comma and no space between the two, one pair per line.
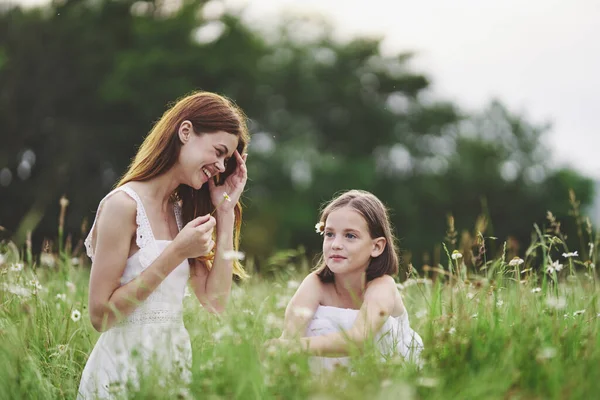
350,235
329,234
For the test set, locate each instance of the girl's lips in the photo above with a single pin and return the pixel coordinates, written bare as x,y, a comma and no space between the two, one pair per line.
337,258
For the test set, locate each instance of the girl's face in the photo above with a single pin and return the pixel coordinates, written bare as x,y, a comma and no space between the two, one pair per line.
347,244
205,155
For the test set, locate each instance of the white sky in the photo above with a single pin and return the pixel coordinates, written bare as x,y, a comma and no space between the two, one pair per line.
540,57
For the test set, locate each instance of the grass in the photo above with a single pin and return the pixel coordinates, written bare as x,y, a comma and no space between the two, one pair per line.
507,331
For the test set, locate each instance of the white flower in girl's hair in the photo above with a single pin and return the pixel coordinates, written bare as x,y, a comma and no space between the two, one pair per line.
233,255
456,255
226,196
76,315
320,227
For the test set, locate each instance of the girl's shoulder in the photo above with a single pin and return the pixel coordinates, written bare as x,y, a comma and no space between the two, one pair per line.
386,284
381,282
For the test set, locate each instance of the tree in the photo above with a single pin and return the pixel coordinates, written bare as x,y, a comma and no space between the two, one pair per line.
326,116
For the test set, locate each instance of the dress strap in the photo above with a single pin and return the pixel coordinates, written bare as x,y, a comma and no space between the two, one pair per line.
144,236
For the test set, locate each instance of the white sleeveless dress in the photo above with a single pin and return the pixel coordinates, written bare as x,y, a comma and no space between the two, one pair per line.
153,334
394,337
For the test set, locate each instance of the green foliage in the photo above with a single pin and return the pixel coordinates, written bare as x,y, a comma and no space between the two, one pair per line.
81,83
490,336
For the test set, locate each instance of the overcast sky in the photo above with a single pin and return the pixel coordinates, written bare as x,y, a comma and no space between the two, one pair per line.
540,57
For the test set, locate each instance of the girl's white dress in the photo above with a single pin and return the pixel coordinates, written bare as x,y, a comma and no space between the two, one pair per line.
153,335
395,337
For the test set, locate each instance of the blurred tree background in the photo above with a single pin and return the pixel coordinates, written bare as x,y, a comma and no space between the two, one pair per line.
82,82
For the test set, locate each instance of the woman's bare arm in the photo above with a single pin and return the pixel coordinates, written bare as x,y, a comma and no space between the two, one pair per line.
115,228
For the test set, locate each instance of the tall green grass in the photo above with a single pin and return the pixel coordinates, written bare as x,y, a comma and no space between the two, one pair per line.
495,331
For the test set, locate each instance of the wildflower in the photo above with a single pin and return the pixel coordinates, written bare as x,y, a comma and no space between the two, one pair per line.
386,383
320,227
536,290
75,315
62,348
475,315
555,266
271,320
71,286
35,284
556,303
47,259
16,267
546,353
500,303
456,255
282,301
452,331
61,296
226,196
292,284
17,290
516,261
427,382
75,261
223,332
421,313
569,255
233,255
470,296
303,312
526,270
578,312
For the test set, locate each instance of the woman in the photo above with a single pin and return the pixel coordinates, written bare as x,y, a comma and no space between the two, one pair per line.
175,215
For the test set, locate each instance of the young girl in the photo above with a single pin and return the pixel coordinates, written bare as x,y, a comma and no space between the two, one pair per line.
351,297
154,232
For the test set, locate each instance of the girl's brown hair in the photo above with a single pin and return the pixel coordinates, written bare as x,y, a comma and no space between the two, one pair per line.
208,113
376,215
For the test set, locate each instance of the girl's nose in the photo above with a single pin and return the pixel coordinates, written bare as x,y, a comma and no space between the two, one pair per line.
336,244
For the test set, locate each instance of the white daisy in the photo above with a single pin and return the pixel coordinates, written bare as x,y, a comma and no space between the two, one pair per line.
516,261
75,315
233,255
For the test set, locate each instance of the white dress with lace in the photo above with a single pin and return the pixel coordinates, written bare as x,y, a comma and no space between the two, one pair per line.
153,334
395,336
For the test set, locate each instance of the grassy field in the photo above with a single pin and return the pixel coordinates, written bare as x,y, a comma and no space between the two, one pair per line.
506,332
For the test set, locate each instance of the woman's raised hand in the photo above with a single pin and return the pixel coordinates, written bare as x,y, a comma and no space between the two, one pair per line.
195,239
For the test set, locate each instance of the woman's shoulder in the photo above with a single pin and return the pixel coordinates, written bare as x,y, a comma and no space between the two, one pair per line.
119,206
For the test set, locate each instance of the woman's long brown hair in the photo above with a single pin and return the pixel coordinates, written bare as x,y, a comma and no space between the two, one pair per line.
208,113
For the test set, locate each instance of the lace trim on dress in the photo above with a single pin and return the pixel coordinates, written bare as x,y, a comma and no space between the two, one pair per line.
144,235
143,317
